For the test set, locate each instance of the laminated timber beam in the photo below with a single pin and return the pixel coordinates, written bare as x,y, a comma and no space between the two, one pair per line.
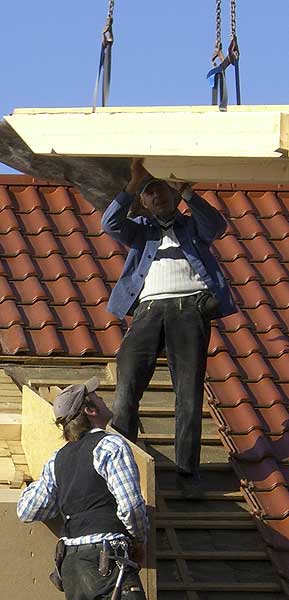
154,132
245,145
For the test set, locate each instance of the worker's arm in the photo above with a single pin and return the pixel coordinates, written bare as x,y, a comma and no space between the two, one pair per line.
114,461
38,502
115,221
209,222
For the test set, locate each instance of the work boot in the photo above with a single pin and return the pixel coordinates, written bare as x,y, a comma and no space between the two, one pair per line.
190,485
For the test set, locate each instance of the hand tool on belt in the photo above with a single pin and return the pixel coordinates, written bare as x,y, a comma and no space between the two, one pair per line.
123,562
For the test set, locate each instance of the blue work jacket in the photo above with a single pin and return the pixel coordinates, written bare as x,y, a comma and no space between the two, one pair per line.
143,235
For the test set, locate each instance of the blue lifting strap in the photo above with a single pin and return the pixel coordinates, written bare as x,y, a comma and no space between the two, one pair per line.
217,80
104,68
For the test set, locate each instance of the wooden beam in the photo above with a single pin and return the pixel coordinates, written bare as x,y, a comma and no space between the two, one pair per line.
157,132
215,169
10,426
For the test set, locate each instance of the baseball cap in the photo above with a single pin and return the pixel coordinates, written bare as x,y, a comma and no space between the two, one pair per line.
148,181
68,402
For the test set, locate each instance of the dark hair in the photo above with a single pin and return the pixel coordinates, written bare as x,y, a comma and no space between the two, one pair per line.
74,429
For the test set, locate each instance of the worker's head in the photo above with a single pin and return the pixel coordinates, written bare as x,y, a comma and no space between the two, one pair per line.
158,198
78,408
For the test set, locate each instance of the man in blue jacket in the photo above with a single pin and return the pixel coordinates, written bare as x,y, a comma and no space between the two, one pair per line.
173,286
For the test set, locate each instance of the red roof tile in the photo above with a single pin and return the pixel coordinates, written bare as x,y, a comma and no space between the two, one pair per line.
279,294
61,291
46,341
6,291
274,419
19,267
6,200
13,341
266,204
9,314
93,291
251,295
248,227
34,222
38,315
222,392
57,199
242,343
29,291
277,227
51,267
25,198
264,476
237,204
259,249
271,271
12,244
274,342
253,367
66,222
263,318
8,221
74,245
42,244
282,247
240,271
265,393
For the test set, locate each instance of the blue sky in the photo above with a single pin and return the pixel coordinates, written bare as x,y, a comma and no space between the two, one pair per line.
162,52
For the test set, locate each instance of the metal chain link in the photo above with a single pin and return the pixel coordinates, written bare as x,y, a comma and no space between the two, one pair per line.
233,18
218,23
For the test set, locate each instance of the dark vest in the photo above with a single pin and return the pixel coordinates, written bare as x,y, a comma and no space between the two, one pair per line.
85,503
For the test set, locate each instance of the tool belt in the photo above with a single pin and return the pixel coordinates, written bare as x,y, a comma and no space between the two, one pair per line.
110,554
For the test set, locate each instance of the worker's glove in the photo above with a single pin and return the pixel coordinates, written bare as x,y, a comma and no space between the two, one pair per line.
208,305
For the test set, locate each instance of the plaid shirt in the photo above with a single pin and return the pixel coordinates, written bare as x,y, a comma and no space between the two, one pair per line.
113,460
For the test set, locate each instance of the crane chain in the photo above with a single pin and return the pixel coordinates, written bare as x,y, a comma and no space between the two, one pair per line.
218,24
233,18
110,9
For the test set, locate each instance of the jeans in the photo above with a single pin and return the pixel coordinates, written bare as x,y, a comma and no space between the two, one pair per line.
180,326
82,580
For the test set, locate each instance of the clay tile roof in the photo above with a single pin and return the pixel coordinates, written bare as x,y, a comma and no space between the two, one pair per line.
250,403
56,272
57,269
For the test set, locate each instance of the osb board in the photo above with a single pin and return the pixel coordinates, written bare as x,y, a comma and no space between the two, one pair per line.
26,555
40,437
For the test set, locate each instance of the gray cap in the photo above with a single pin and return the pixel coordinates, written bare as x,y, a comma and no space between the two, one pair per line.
69,401
148,181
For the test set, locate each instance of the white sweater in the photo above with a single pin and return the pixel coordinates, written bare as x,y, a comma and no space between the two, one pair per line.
170,274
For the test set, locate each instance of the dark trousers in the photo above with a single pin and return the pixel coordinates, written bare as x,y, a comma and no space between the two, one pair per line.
82,580
177,325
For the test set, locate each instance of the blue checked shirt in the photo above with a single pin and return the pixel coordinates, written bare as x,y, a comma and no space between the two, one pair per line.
113,460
